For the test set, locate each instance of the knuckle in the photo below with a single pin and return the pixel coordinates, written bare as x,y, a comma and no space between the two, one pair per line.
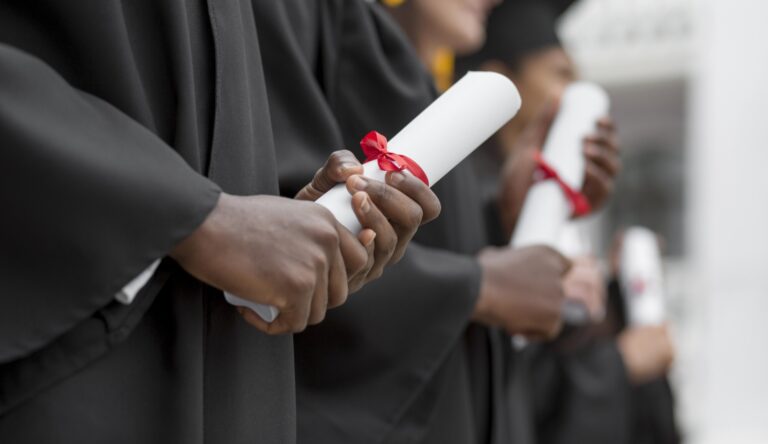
436,207
327,236
341,155
376,273
415,216
302,285
389,243
378,190
317,259
396,256
339,299
336,157
317,317
359,263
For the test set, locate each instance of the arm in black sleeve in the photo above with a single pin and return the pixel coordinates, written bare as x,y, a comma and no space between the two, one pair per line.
89,199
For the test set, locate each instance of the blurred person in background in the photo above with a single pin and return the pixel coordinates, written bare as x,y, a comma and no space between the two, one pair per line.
646,349
436,31
579,386
391,366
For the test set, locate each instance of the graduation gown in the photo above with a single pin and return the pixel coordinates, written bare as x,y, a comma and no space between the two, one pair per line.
652,404
120,123
570,390
581,393
392,365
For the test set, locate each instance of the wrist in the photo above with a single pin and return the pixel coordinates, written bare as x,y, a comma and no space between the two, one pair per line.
485,301
204,235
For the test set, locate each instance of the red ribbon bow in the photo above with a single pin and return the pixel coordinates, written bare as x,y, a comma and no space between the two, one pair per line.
579,202
374,146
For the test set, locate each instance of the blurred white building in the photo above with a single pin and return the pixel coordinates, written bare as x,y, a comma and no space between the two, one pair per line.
689,80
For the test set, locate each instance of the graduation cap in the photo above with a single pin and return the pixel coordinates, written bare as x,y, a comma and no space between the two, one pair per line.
517,28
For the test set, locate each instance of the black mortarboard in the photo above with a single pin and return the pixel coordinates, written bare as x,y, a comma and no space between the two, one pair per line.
519,27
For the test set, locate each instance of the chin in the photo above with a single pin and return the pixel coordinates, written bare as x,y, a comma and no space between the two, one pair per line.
469,42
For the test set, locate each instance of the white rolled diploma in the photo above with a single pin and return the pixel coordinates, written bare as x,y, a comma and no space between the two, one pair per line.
438,139
546,208
641,277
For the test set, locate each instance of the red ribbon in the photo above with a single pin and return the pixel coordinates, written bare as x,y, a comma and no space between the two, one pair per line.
374,146
579,202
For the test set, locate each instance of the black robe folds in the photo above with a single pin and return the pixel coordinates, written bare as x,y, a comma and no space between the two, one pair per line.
393,365
112,114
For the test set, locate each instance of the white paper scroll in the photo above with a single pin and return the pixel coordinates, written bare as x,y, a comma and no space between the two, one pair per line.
546,208
438,139
641,277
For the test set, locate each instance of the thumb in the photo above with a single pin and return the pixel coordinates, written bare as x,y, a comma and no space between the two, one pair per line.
337,169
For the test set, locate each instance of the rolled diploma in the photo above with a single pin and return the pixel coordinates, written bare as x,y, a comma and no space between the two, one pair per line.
641,277
546,208
438,139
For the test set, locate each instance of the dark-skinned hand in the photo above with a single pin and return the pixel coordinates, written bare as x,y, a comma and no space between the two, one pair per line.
400,206
521,290
294,255
602,165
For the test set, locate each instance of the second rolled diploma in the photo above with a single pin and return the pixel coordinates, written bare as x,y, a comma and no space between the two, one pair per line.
641,277
547,209
438,139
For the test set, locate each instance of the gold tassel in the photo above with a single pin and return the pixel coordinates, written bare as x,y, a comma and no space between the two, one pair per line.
442,69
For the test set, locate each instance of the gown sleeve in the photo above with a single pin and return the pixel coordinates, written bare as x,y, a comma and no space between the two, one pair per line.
362,372
90,198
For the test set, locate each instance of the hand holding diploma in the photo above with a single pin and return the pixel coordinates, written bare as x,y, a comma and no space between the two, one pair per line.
294,255
569,135
430,146
553,200
521,290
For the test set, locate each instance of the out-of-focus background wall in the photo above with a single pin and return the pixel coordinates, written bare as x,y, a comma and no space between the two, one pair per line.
689,84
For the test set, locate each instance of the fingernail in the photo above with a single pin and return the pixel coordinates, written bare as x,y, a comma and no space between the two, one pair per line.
366,205
346,166
373,237
358,183
396,177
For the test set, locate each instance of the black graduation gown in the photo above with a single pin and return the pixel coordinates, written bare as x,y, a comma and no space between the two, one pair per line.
570,390
112,114
581,393
652,404
392,364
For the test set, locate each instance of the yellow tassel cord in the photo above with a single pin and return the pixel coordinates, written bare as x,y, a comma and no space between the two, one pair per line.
442,69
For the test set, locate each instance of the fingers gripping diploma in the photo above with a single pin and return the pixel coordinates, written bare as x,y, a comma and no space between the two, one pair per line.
293,255
602,154
390,212
522,291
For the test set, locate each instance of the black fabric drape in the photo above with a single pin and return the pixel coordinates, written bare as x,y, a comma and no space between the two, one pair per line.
390,364
112,114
